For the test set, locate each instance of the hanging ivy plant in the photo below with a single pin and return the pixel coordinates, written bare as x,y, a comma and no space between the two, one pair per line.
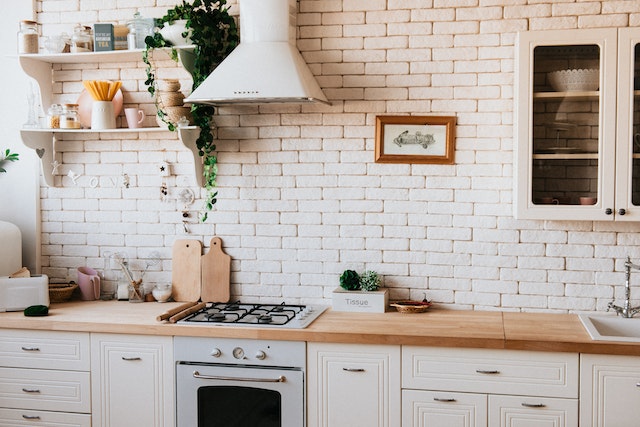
214,35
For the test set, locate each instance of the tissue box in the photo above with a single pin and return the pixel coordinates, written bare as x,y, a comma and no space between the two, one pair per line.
361,301
18,293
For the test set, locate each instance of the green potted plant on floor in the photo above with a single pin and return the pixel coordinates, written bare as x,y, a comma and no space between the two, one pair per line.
214,34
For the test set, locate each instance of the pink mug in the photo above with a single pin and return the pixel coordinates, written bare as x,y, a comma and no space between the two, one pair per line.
134,116
89,283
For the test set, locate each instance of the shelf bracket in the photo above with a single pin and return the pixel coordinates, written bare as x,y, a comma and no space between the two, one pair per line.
43,143
188,136
41,72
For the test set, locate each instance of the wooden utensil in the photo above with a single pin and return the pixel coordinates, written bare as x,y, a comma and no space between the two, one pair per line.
185,270
185,313
216,273
167,314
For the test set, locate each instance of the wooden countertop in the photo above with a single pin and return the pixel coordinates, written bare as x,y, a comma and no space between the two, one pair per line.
436,327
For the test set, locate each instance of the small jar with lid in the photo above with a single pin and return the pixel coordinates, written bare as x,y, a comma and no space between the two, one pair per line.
53,116
69,117
82,39
28,37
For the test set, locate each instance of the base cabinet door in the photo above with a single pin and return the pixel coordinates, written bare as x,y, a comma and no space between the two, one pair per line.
609,391
353,385
422,408
132,381
527,411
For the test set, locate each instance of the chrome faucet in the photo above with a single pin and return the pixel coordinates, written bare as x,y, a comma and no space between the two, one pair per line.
626,311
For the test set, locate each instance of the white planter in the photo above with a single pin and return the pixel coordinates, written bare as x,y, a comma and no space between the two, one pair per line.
361,301
173,33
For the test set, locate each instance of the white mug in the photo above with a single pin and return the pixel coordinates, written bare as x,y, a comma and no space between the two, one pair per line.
102,115
135,117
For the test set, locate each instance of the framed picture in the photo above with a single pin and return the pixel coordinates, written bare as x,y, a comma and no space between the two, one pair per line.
415,139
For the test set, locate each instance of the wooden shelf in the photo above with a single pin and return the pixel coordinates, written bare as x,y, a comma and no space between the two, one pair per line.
571,96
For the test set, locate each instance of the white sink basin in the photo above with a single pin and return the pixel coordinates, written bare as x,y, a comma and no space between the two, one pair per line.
611,328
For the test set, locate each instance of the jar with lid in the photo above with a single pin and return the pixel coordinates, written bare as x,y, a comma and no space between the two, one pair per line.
82,39
53,116
69,117
139,29
28,37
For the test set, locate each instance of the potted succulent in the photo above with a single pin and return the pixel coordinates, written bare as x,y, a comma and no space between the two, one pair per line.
214,34
359,292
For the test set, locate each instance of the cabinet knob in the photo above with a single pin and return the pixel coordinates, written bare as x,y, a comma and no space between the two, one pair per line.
608,211
621,211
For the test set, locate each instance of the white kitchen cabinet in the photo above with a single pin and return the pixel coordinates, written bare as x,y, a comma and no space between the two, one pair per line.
43,141
353,385
44,378
609,390
482,387
575,156
132,381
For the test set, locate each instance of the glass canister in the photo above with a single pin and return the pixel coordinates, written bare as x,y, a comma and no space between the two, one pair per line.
28,37
139,29
53,116
69,117
82,39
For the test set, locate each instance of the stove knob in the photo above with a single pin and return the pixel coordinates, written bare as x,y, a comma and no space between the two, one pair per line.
260,355
216,352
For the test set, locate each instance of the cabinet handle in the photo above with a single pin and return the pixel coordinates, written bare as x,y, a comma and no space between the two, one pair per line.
622,211
533,405
30,349
444,399
608,211
31,417
31,390
487,371
353,369
130,359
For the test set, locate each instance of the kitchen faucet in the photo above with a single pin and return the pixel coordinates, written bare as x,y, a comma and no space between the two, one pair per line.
626,311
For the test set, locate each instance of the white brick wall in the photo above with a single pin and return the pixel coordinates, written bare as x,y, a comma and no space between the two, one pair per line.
300,198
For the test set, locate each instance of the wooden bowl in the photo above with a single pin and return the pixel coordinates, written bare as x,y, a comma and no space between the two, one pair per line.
411,306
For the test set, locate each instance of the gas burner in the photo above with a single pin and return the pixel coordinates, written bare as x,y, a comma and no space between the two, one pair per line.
258,315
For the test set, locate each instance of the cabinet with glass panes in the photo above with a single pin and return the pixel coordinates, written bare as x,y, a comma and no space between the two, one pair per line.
576,120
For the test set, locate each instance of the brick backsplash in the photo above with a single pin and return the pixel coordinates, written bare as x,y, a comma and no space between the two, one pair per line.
300,197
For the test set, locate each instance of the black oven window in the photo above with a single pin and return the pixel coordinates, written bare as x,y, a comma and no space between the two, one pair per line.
232,406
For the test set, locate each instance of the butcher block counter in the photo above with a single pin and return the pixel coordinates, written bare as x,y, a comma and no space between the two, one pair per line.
436,327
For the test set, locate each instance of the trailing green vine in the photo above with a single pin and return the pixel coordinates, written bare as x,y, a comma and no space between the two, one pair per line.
214,34
7,157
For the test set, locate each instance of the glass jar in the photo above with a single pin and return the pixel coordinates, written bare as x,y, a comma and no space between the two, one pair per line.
53,116
139,29
136,292
69,117
82,39
28,37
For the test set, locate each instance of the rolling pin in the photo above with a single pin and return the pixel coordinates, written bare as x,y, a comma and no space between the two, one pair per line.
167,314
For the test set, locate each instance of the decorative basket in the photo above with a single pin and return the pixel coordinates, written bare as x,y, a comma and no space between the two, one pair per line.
574,80
411,306
61,292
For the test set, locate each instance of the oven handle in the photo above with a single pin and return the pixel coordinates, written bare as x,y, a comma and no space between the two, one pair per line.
280,379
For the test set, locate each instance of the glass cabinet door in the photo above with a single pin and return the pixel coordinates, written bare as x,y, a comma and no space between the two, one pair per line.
566,124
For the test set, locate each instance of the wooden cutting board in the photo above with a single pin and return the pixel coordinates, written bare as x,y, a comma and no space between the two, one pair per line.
185,270
216,273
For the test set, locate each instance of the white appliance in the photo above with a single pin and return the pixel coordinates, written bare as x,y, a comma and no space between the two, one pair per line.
18,293
266,67
10,249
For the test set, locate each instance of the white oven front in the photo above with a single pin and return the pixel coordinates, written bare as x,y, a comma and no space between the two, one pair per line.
212,395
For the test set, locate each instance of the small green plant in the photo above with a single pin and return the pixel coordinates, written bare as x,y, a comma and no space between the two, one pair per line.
350,280
8,157
369,281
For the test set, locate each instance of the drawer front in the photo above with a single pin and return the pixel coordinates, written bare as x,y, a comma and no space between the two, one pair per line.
21,417
47,350
39,389
490,371
436,408
525,411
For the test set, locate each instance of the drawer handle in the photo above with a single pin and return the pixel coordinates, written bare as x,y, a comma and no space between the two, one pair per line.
444,399
31,390
353,369
487,371
131,359
533,405
31,417
30,349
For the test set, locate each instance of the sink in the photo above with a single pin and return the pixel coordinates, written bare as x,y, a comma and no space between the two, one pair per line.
611,328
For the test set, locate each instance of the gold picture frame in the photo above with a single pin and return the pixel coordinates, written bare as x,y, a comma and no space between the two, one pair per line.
415,139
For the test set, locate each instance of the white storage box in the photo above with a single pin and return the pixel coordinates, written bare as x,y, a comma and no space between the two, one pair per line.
361,301
18,293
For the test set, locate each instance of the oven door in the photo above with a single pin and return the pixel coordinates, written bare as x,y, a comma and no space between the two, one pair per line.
239,396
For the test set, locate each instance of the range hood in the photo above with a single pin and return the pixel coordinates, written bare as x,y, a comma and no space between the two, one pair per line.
266,67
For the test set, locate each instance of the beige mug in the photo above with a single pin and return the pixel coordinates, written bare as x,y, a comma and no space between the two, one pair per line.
134,116
89,283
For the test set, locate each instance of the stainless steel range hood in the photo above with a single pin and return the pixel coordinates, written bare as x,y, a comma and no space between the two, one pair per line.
266,67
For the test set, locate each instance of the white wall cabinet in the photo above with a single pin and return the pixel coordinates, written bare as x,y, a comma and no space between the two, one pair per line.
609,390
132,380
353,385
44,378
478,387
575,156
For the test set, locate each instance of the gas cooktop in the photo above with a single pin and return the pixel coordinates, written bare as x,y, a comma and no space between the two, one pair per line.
255,315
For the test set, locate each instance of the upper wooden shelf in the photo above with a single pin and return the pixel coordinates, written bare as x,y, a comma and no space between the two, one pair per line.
94,57
573,95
